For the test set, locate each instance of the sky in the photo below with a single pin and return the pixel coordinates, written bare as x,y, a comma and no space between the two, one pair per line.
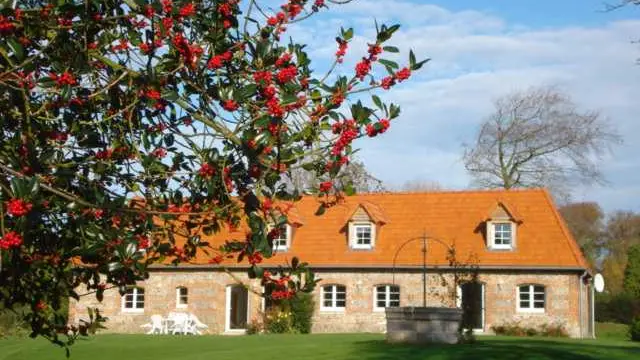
484,49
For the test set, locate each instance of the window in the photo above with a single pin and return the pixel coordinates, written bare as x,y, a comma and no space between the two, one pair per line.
334,298
501,235
133,300
362,236
182,297
282,241
386,296
531,298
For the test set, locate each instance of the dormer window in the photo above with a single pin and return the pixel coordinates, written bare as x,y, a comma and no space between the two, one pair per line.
282,241
501,235
502,223
363,224
362,235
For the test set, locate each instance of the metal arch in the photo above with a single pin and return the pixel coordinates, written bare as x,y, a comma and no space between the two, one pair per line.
424,239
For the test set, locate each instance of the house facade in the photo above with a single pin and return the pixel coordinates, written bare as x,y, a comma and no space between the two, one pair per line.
369,252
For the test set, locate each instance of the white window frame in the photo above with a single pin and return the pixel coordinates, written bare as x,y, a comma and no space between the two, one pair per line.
387,295
277,247
353,235
530,308
491,234
135,294
179,297
333,290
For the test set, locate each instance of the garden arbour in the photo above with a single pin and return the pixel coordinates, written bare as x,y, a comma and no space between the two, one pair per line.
196,108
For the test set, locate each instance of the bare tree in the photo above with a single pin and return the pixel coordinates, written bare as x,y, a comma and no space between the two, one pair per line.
536,138
354,174
418,185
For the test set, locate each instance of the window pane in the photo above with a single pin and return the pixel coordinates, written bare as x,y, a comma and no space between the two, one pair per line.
394,303
538,289
340,303
381,304
341,288
538,305
395,296
524,304
140,291
341,296
381,296
538,297
524,296
327,303
394,289
128,304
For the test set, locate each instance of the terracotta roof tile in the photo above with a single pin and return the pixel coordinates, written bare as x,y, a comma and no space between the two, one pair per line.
454,217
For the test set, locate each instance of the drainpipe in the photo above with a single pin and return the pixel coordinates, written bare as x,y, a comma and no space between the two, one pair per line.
580,306
593,312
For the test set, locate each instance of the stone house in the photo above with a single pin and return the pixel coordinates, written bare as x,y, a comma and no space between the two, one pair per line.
530,269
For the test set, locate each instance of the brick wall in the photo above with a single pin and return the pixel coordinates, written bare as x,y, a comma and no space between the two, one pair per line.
207,299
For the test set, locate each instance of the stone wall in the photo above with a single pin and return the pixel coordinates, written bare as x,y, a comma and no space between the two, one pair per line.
207,299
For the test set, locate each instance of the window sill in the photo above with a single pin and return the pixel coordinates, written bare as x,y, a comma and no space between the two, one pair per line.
332,310
181,306
530,311
132,311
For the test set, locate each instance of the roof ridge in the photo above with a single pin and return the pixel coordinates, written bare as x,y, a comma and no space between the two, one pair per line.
449,191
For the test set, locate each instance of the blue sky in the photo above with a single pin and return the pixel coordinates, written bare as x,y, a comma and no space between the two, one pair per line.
481,50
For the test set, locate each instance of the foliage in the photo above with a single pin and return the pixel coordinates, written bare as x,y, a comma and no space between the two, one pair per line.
515,329
632,272
277,321
538,137
12,323
256,326
619,308
634,329
301,307
586,221
130,128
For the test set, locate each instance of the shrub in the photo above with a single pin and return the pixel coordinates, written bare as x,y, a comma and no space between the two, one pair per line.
553,330
277,321
256,326
301,307
11,324
620,308
634,330
515,329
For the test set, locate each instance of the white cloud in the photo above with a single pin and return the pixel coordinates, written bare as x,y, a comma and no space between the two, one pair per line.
476,58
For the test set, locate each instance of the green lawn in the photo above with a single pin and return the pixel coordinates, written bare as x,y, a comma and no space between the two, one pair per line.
333,347
612,331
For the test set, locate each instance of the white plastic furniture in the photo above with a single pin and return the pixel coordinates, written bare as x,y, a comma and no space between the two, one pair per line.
156,326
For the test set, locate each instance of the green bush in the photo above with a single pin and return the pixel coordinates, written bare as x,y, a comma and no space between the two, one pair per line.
301,307
279,322
634,330
515,329
621,308
11,323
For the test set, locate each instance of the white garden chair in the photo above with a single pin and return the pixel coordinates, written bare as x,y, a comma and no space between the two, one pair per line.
156,326
197,324
181,324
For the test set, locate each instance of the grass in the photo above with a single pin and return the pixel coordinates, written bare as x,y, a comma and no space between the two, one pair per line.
314,347
612,331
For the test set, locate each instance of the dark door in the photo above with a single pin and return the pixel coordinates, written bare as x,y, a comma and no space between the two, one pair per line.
473,305
238,308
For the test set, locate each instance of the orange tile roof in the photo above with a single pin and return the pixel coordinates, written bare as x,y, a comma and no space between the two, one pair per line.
455,217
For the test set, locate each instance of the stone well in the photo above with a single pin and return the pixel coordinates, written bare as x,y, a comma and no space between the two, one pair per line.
423,325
